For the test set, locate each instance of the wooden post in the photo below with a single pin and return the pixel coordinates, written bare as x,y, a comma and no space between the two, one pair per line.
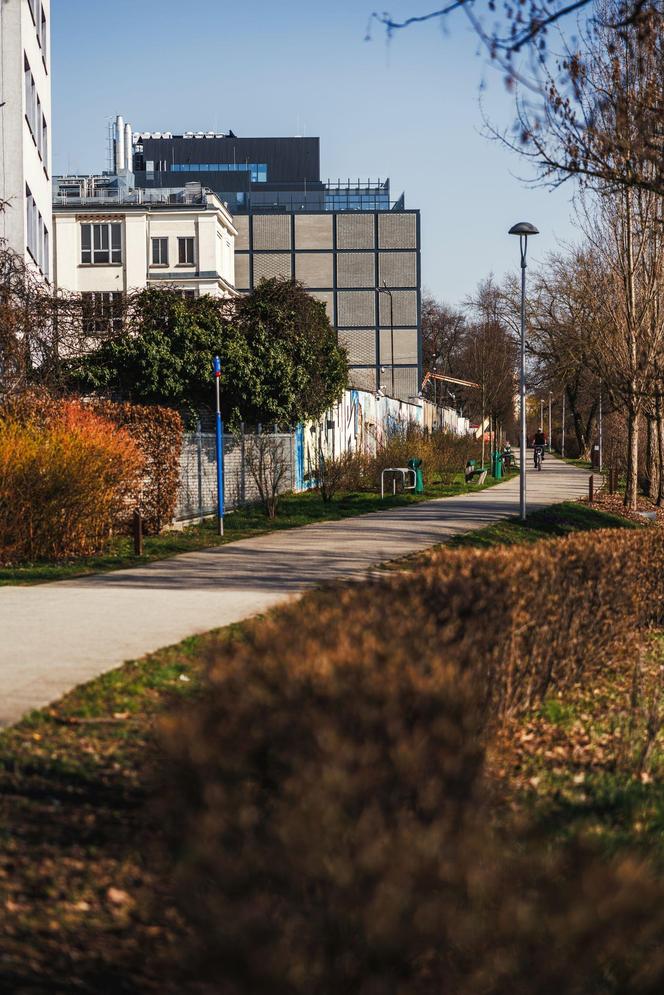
138,533
591,485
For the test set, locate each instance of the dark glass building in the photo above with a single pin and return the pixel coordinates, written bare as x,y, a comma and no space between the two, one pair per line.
350,245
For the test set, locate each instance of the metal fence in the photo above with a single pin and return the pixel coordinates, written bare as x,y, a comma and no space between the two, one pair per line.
197,495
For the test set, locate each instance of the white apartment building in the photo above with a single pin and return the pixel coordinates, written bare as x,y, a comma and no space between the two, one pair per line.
109,246
25,130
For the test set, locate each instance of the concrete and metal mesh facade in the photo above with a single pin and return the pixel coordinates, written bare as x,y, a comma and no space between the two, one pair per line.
342,258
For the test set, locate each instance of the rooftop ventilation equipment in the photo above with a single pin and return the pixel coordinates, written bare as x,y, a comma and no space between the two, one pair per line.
200,134
156,134
167,134
219,134
188,134
209,134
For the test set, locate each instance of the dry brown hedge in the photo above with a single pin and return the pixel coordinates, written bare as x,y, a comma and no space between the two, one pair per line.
329,798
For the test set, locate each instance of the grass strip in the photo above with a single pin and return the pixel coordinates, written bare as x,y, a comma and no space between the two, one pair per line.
296,510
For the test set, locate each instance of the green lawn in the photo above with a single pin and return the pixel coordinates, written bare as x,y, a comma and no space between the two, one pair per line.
295,511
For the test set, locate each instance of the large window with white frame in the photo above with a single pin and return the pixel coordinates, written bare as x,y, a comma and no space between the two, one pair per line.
101,243
186,252
160,252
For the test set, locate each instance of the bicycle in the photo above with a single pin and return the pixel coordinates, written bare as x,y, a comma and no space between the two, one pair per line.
539,456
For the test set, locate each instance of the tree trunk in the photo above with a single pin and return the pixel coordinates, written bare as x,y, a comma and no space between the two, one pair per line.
651,476
659,411
631,490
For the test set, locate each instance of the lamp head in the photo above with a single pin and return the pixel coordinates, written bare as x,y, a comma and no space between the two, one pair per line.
523,228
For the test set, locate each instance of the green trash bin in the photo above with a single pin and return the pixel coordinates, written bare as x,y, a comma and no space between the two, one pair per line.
416,465
497,468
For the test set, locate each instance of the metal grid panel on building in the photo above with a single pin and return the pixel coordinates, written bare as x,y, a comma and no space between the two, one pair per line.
269,264
272,231
242,270
397,231
241,222
363,379
405,381
313,231
405,307
398,269
355,231
361,345
314,269
405,345
356,308
356,269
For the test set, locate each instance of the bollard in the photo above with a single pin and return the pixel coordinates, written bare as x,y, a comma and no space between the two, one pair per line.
138,533
591,486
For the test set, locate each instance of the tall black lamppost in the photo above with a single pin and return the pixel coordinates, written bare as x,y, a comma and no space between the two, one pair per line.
523,229
385,290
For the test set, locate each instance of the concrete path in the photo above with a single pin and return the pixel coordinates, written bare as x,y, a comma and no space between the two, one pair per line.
55,636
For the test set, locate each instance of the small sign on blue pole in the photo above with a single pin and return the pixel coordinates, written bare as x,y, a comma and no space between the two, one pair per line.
220,449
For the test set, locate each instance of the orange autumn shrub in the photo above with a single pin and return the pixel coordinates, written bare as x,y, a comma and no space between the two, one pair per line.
156,430
66,483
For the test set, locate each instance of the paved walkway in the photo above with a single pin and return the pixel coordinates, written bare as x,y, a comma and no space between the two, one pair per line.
55,636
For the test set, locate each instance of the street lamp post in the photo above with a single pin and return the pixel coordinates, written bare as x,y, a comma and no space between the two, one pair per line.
550,396
541,412
220,449
385,290
523,229
562,447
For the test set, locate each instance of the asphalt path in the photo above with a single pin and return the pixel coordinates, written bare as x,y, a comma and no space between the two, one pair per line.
55,636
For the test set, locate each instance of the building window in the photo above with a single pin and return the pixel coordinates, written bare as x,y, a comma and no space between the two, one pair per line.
36,233
258,170
186,294
103,313
160,252
101,243
186,251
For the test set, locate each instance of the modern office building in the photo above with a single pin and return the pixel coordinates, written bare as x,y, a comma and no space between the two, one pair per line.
25,130
351,246
110,241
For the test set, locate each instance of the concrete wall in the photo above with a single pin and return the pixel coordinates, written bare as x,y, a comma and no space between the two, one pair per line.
22,161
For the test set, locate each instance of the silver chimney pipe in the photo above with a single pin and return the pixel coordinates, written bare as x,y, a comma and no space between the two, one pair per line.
129,148
119,144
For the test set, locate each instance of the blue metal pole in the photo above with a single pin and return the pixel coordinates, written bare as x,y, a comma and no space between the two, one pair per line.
220,451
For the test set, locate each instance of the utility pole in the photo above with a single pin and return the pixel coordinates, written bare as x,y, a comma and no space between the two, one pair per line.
550,396
562,448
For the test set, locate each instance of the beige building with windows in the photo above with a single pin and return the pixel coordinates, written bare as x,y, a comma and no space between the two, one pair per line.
109,247
25,130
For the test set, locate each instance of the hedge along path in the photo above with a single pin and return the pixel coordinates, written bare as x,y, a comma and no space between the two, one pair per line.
156,431
326,793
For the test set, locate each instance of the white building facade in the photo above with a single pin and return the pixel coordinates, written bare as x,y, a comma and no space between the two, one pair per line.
108,248
25,131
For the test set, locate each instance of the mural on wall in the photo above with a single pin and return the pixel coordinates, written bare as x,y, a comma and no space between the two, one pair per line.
363,422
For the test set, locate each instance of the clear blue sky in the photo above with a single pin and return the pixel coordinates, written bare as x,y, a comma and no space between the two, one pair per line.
408,109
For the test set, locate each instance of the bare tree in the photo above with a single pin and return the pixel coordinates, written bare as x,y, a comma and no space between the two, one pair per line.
442,334
268,461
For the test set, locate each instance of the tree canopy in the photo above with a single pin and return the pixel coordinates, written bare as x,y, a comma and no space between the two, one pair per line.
279,354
